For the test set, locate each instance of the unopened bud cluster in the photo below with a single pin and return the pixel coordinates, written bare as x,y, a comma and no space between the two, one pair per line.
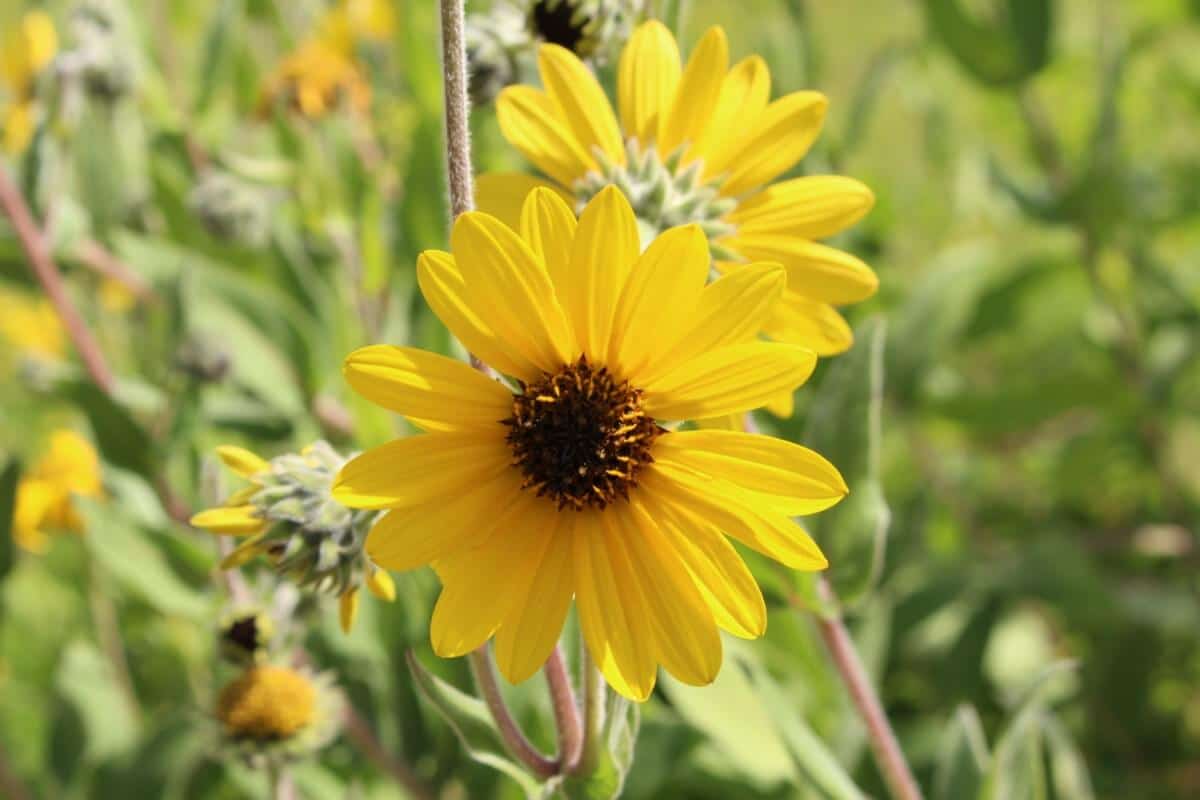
662,194
502,43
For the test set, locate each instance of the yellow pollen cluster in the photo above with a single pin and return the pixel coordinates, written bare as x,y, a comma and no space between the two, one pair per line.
267,702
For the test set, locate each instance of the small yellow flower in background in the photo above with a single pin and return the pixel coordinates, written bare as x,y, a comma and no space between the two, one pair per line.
698,143
288,514
323,75
30,325
26,50
575,485
318,78
278,714
353,21
70,467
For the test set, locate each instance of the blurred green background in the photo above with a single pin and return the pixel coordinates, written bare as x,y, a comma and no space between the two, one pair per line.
1019,414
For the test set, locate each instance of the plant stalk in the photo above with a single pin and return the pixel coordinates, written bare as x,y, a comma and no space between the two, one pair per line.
888,755
594,695
483,669
566,712
37,252
458,108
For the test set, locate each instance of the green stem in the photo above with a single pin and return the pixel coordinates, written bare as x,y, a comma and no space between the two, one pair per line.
595,693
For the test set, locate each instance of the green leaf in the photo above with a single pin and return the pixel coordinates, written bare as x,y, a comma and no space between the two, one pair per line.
844,425
816,761
121,439
215,55
126,552
86,680
754,749
8,506
1008,51
472,723
963,759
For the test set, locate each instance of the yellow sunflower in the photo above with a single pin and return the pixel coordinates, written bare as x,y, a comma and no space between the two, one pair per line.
569,480
702,144
317,78
44,504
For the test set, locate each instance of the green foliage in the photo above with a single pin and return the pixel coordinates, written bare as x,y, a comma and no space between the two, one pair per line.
1017,419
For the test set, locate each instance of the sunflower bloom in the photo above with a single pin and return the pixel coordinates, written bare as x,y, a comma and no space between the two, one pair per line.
24,54
317,78
697,143
571,482
44,505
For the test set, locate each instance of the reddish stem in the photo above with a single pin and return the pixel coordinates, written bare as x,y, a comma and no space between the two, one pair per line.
37,251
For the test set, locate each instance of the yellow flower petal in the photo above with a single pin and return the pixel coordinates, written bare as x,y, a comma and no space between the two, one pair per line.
18,125
698,92
420,469
728,422
731,310
348,610
615,627
480,587
647,77
548,225
535,620
744,95
705,500
409,538
602,255
722,577
585,107
445,290
798,320
534,124
811,207
242,461
502,194
737,378
34,503
778,139
430,387
792,479
70,463
510,291
815,271
231,521
381,585
781,406
243,553
686,637
657,303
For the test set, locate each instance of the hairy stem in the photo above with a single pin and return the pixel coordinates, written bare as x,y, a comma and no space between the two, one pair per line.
37,252
888,755
458,108
483,669
566,712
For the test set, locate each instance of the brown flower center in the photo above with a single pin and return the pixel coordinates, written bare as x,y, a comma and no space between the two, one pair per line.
555,23
580,436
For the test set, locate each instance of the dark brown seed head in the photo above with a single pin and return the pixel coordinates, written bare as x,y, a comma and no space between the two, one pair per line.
580,436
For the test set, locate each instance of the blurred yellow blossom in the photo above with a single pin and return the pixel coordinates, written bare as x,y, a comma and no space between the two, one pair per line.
322,73
70,467
25,51
30,325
